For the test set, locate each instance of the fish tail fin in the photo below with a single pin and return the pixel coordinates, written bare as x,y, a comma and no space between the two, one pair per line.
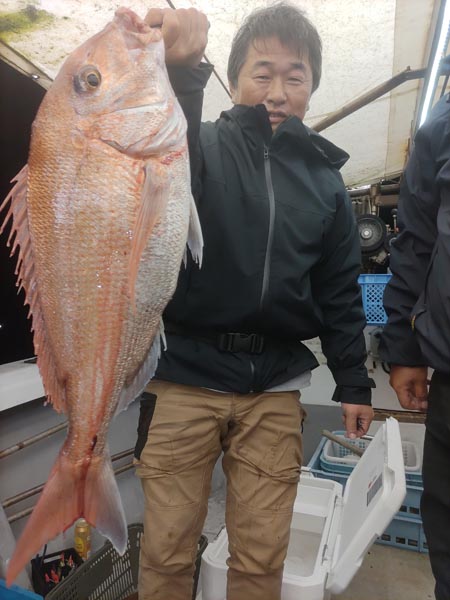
102,503
59,505
72,491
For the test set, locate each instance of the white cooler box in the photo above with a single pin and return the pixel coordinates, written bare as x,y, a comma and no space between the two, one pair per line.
330,533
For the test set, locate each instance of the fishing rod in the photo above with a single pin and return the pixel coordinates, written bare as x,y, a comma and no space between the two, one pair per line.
171,4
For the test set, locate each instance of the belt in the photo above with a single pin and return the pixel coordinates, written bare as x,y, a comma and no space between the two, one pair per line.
252,343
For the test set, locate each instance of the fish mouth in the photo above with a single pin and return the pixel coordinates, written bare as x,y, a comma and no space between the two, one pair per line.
141,108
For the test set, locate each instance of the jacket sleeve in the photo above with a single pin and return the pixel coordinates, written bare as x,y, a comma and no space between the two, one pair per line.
411,250
336,288
188,85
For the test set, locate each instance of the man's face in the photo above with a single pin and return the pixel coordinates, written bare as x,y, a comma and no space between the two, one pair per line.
277,77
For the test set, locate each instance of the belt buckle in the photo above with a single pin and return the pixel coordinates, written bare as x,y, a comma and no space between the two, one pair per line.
241,342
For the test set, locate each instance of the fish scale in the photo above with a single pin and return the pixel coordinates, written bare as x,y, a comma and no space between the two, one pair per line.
101,217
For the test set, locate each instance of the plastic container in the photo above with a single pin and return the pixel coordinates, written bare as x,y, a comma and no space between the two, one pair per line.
372,287
330,531
335,457
14,592
40,567
405,533
409,432
410,506
108,576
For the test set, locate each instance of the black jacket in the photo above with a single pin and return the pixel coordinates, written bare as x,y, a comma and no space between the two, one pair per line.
417,299
281,259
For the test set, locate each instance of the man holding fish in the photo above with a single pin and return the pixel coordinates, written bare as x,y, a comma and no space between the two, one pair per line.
101,216
281,259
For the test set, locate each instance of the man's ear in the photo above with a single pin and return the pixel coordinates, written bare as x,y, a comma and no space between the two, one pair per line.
232,92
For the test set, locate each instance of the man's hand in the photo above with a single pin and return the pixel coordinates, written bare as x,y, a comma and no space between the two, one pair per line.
185,34
410,385
357,419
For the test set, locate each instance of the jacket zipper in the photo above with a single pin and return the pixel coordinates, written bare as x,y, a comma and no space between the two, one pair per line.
269,184
252,374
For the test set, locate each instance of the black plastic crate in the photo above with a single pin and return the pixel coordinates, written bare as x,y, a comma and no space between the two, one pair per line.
43,565
108,576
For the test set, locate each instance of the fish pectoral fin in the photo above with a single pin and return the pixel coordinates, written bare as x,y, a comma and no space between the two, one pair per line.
102,503
195,237
20,240
154,200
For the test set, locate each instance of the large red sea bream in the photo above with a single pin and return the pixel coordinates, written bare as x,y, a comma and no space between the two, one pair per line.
101,216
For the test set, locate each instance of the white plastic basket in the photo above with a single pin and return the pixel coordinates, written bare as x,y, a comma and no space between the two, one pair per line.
336,454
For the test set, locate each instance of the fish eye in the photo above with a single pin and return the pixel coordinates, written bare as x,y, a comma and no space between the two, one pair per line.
88,79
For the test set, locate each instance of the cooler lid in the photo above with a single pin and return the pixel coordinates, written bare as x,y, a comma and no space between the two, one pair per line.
374,493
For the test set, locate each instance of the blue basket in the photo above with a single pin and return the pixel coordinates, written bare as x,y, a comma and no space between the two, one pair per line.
414,478
407,523
372,287
404,533
15,592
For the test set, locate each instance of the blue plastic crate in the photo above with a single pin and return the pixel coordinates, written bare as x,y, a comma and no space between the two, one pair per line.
404,533
413,477
15,592
372,287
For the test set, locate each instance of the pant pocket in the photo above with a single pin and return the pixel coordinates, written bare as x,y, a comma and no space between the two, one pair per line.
147,409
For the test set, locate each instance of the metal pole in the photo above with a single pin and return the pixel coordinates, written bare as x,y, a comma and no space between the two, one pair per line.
23,496
37,489
370,96
32,440
126,467
342,442
27,511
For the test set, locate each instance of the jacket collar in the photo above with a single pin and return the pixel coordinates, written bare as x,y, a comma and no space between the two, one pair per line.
255,124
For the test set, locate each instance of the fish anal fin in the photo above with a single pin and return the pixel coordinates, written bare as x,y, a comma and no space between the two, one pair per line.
195,237
20,241
153,202
136,386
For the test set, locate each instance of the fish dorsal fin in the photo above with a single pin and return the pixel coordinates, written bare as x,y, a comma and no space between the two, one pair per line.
154,199
26,278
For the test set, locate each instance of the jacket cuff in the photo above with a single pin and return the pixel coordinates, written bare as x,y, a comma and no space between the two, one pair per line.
353,395
349,378
188,80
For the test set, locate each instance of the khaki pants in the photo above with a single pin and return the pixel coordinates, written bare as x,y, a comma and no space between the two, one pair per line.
182,432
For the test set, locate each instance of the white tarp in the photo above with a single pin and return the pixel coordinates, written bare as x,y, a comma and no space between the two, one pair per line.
365,42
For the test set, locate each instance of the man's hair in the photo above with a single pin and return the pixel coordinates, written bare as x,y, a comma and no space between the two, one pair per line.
287,23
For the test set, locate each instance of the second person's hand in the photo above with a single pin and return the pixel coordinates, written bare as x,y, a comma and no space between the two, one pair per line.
410,385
